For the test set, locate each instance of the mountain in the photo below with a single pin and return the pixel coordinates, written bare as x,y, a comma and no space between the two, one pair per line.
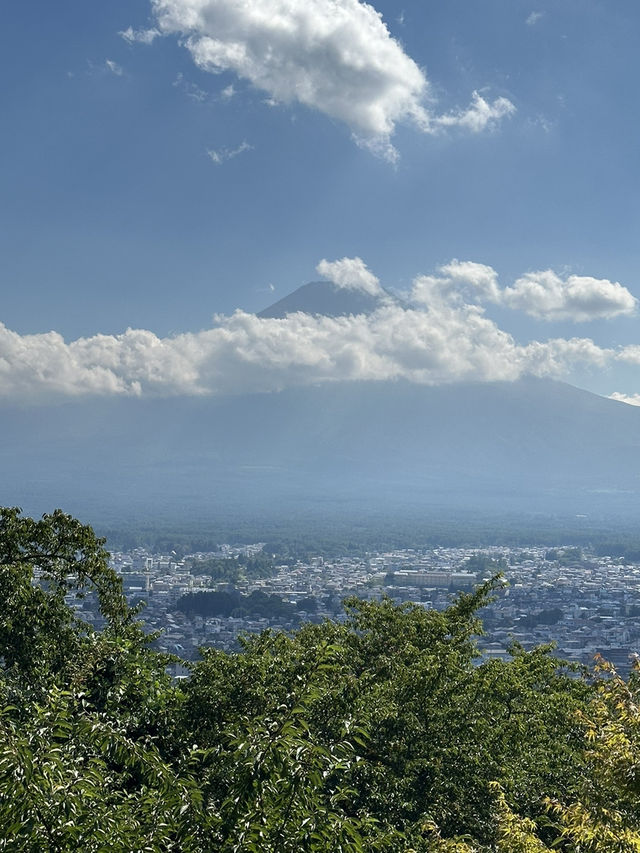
391,447
327,298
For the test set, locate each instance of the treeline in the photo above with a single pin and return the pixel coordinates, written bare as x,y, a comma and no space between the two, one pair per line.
381,732
627,551
231,602
291,538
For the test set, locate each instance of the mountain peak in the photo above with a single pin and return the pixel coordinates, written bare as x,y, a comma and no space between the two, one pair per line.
329,300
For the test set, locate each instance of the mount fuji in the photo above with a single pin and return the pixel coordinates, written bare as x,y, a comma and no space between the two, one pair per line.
534,444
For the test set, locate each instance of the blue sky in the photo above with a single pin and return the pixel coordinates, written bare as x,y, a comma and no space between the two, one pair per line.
164,162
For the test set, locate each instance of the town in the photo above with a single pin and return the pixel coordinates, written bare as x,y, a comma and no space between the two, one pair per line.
583,603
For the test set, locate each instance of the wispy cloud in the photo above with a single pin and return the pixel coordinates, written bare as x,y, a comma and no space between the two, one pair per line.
191,90
114,68
139,36
478,116
534,18
336,56
223,154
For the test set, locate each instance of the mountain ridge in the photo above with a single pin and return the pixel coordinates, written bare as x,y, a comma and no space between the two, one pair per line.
325,298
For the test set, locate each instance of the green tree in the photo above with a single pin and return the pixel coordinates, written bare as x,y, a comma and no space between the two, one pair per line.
88,759
431,729
42,564
385,731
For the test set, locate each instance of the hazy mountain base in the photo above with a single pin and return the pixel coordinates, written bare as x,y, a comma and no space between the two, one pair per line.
371,458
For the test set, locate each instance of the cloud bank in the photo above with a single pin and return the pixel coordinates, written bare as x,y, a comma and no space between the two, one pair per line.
335,56
543,294
446,337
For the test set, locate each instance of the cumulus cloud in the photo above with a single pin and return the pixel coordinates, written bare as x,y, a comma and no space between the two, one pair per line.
544,295
244,353
480,278
350,273
578,298
247,353
444,336
336,56
631,354
630,399
446,340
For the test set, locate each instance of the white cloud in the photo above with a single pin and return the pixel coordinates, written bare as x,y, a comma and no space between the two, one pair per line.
483,279
223,154
336,56
578,298
478,116
445,337
247,353
630,399
350,273
630,355
139,36
544,295
448,340
533,18
559,355
114,68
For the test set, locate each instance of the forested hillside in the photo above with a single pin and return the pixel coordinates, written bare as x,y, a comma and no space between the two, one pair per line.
383,732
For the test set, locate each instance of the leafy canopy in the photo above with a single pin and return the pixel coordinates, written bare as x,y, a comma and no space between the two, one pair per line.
384,731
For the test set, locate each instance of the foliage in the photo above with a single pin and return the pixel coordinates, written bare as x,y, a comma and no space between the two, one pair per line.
382,732
606,817
233,603
234,569
87,755
38,632
484,563
70,779
438,727
564,556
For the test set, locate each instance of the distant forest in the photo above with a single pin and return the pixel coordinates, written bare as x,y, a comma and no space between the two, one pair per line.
349,534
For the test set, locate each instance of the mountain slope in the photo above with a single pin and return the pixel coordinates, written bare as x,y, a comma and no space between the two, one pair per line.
536,444
324,297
